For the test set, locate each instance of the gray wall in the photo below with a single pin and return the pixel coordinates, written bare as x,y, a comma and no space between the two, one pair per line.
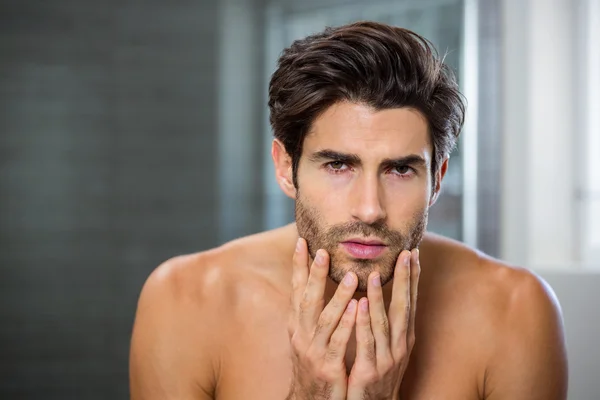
107,150
579,299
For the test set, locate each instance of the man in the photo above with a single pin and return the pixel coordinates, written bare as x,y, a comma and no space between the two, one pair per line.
364,116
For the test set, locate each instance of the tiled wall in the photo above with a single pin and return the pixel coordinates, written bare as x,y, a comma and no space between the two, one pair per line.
107,154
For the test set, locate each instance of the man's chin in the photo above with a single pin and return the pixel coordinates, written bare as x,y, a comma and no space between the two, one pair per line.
362,282
362,271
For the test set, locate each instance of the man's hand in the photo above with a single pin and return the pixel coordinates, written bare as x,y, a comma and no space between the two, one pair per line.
318,335
384,344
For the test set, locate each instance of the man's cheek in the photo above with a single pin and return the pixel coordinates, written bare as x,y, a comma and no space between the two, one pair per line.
333,201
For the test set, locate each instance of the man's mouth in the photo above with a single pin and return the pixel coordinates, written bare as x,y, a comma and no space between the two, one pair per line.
364,248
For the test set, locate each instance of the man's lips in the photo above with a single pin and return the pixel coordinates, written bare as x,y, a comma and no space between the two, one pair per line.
367,242
362,248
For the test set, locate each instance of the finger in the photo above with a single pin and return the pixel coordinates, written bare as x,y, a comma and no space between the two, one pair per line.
379,320
333,311
365,343
299,272
415,272
299,279
400,303
312,301
336,350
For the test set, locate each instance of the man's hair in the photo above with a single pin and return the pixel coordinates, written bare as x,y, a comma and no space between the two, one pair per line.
368,63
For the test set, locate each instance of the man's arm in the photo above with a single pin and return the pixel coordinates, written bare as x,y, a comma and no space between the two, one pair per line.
530,361
171,353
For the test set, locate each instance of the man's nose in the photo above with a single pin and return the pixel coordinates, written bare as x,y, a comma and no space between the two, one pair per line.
367,202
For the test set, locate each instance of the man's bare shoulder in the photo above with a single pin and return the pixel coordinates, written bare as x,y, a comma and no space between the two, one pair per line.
172,350
462,264
189,277
508,313
496,294
216,274
192,304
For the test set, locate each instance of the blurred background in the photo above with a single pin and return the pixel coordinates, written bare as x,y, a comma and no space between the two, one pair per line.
132,131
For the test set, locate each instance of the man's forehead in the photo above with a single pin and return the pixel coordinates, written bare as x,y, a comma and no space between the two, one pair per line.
359,129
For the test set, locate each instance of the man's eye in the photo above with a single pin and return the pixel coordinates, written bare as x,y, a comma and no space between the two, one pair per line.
336,165
403,170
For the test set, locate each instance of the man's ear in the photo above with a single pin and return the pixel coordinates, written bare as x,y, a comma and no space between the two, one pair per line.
439,175
283,168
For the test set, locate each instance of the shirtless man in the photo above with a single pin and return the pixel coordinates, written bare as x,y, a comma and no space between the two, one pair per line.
364,118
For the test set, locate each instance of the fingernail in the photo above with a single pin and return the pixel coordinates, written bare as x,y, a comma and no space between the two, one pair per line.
376,280
417,253
298,245
348,279
319,257
351,305
364,304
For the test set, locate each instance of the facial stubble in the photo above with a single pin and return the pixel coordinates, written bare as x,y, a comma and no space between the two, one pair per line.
318,236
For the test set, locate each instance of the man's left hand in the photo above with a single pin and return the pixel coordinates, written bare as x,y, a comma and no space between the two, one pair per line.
384,341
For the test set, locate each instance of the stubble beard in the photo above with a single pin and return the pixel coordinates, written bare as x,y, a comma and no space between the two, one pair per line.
319,236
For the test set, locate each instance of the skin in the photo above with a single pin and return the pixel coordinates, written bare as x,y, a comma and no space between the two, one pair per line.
247,319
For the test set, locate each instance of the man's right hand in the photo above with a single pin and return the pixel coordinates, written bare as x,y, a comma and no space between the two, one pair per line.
319,334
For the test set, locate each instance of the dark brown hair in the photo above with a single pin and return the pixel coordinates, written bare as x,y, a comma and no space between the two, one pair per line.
374,64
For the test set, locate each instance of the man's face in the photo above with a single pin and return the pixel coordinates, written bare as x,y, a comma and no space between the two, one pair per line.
364,188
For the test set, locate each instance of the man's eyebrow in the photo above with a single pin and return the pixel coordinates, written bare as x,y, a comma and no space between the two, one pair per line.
411,159
335,156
